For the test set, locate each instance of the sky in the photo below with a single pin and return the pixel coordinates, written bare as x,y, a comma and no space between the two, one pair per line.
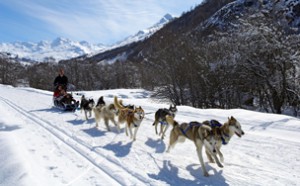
41,145
95,21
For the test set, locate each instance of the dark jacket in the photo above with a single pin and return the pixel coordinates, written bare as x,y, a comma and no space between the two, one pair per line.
61,80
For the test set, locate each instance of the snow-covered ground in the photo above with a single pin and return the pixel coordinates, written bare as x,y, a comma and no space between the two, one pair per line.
41,145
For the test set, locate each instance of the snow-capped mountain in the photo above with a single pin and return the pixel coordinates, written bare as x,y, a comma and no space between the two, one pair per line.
142,34
284,11
63,48
59,48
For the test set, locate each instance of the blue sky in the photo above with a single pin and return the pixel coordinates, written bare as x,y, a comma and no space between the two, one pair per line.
95,21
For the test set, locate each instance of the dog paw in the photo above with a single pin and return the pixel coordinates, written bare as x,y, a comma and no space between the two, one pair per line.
206,174
220,165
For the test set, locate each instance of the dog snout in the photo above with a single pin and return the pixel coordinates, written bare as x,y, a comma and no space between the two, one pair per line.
243,133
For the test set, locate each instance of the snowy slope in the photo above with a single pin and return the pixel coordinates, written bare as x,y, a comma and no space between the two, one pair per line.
143,34
60,48
139,36
41,145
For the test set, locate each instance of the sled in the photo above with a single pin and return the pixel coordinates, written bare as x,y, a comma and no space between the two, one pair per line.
64,106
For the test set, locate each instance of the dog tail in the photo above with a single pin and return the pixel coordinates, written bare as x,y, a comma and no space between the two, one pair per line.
206,127
117,103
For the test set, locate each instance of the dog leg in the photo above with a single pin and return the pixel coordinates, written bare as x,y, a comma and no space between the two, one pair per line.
217,160
199,146
220,154
130,131
164,131
210,159
85,113
126,128
115,123
106,123
172,142
135,131
212,151
161,129
97,118
155,124
118,127
96,123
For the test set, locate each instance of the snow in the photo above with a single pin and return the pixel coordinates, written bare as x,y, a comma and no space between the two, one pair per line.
41,145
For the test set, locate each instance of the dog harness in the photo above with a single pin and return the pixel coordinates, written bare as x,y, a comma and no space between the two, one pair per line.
163,122
190,125
214,124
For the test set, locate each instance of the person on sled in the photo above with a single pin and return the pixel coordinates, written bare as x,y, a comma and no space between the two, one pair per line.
60,94
61,79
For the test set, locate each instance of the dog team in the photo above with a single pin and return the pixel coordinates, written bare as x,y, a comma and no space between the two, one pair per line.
209,134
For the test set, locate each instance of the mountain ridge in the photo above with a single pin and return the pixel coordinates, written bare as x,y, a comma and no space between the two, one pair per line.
63,48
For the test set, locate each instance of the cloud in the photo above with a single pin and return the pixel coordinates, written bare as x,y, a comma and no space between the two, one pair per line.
96,21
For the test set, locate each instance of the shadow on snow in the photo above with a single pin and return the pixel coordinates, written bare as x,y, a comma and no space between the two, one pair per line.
158,145
94,132
120,149
169,174
8,128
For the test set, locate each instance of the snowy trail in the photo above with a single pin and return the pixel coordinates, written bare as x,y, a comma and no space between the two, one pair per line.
115,173
62,148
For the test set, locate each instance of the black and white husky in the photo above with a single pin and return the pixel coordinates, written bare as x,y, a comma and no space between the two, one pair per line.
160,117
87,106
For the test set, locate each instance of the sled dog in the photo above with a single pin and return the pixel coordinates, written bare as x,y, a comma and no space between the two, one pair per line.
223,134
131,117
107,113
197,132
160,117
86,106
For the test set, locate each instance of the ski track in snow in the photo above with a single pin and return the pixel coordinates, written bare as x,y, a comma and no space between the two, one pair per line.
83,149
268,154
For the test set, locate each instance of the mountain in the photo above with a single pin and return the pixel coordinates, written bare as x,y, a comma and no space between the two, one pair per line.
63,48
59,48
143,34
139,36
206,19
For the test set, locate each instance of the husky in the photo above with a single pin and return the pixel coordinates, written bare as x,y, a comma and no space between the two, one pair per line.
197,132
160,117
132,117
106,112
223,134
100,102
87,106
